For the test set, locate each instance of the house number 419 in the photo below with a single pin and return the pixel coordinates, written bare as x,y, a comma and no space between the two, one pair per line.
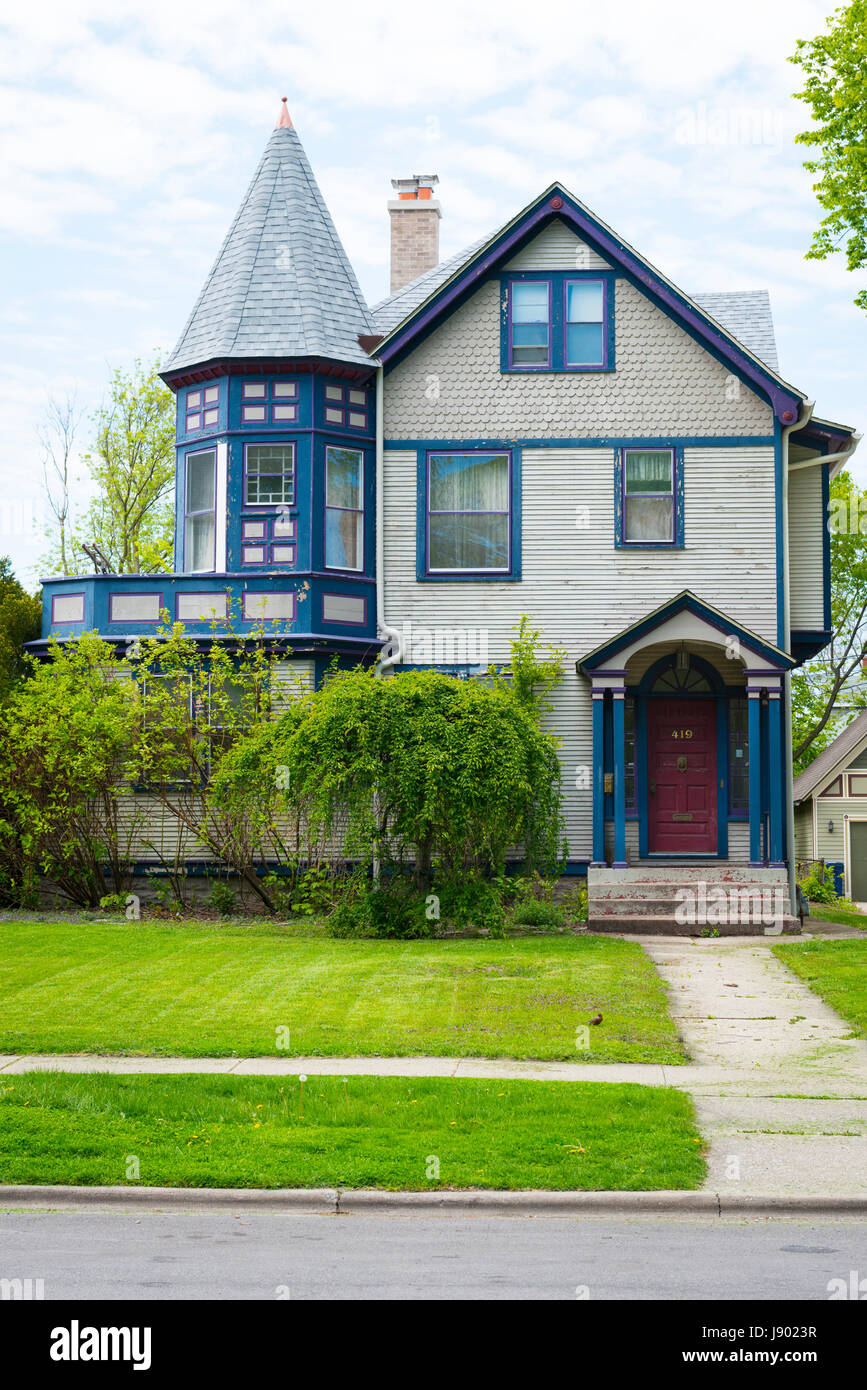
681,733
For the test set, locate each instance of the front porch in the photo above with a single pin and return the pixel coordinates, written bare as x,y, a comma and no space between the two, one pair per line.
688,770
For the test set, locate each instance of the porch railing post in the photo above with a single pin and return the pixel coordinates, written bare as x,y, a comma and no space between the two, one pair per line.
619,732
755,747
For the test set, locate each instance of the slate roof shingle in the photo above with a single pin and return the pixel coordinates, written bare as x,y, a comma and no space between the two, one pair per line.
282,285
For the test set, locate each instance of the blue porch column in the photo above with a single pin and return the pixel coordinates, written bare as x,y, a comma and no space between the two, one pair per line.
776,785
598,782
619,731
755,747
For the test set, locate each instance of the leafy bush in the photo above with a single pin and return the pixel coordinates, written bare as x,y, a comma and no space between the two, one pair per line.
818,885
223,899
113,902
536,913
390,908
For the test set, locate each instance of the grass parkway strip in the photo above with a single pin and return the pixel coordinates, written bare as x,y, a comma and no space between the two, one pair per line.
837,971
411,1134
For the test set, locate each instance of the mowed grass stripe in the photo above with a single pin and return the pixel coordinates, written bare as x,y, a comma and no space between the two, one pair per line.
191,991
386,1132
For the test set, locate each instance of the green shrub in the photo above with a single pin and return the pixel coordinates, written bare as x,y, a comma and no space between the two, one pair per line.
536,913
113,902
392,908
223,899
818,885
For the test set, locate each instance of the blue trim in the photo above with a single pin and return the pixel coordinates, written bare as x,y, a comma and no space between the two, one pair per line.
775,781
755,746
510,576
620,542
666,441
598,707
619,741
782,635
826,546
557,280
722,777
806,643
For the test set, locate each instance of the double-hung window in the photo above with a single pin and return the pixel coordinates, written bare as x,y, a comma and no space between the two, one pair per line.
344,509
199,514
558,323
469,507
269,475
648,481
530,344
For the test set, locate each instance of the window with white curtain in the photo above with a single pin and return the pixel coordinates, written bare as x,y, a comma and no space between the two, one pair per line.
648,496
469,512
344,509
200,521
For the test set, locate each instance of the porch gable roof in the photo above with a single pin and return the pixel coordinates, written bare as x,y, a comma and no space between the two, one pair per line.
686,601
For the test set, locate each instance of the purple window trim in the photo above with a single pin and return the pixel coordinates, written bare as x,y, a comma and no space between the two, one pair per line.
531,366
202,593
71,622
585,366
349,423
328,394
253,444
356,511
135,593
284,405
344,622
283,545
195,453
253,398
201,409
467,453
252,536
632,449
261,545
248,419
268,593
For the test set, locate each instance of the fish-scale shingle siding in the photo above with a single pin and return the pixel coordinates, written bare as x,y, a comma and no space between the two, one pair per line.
451,386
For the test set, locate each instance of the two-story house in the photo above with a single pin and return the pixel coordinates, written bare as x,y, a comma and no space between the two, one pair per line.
543,424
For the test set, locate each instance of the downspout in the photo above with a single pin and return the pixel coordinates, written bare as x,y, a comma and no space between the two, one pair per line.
390,654
804,415
839,460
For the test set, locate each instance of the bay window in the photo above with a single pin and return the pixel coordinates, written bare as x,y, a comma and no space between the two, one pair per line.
199,512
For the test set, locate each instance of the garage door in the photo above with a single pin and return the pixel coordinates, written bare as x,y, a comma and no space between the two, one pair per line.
858,861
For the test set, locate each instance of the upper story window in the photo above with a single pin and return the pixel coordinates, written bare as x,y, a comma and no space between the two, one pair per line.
269,475
469,513
199,512
557,323
346,406
649,485
202,408
344,509
269,402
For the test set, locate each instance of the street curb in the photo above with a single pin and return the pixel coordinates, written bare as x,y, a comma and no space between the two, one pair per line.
331,1201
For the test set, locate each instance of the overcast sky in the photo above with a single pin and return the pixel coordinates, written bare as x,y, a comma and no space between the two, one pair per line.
130,131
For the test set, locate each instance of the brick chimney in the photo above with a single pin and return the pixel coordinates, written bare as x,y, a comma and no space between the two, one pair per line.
415,228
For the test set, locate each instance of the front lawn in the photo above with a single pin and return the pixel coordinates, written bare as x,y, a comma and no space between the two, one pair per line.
196,990
846,917
837,970
216,1131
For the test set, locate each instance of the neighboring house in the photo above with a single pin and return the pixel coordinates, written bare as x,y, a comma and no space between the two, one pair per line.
543,424
831,809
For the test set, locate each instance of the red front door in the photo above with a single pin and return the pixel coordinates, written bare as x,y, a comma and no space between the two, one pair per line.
681,771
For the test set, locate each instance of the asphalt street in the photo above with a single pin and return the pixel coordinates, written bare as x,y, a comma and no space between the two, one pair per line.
272,1255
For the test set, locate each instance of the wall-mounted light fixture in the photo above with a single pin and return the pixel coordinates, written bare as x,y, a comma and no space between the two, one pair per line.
830,827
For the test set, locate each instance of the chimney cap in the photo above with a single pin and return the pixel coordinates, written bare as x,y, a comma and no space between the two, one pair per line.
411,185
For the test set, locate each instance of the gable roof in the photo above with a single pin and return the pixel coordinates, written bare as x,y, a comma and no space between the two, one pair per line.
281,285
442,288
745,314
687,601
820,768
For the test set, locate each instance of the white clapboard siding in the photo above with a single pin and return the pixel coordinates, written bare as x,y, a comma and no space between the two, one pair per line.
578,587
557,248
806,535
665,383
804,831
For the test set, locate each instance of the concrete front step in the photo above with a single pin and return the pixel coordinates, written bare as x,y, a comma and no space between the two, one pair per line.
658,925
711,872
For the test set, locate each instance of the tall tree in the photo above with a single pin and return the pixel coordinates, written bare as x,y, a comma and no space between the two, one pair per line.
132,465
56,433
20,622
834,681
835,90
